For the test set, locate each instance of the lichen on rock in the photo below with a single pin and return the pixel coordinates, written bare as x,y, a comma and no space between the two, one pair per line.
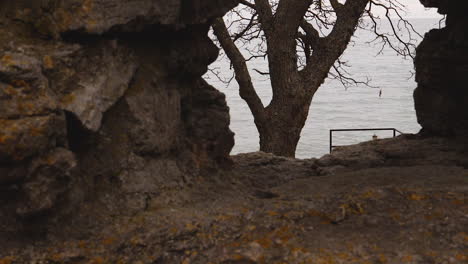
105,91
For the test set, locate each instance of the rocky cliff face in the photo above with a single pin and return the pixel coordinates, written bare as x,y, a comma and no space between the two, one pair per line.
441,98
105,98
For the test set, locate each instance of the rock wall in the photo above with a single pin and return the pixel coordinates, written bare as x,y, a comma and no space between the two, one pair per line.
441,98
106,96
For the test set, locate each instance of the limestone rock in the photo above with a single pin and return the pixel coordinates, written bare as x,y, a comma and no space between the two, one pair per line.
404,150
103,100
442,73
99,16
97,82
49,178
265,170
208,115
23,138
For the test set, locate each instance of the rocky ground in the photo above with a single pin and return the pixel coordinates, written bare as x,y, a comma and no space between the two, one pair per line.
398,200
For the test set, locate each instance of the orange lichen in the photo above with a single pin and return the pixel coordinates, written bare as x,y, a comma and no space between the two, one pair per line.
433,215
96,260
87,6
4,138
283,234
56,257
82,244
264,242
273,213
237,257
10,90
383,258
458,202
36,131
68,99
353,208
417,197
91,23
224,217
461,257
313,212
369,194
190,227
20,83
7,260
7,60
344,256
48,62
251,227
407,258
109,241
64,17
396,216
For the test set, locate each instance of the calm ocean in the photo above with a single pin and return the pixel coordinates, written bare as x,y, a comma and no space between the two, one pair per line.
335,107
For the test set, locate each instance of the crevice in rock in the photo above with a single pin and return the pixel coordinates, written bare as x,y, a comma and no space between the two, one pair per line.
80,36
152,32
77,135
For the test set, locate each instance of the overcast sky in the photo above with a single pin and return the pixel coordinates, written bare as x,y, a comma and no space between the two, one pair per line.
416,9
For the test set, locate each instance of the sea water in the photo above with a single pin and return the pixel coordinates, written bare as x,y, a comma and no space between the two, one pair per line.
336,107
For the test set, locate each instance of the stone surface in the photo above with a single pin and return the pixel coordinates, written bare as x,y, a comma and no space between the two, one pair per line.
442,74
104,98
416,212
55,17
48,179
98,77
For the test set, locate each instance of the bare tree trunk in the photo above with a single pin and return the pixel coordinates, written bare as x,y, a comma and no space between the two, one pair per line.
280,129
280,138
279,141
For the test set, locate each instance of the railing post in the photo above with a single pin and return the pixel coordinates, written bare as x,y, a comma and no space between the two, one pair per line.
394,132
331,130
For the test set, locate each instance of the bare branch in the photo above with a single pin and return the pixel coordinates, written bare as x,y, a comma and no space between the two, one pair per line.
333,46
392,15
249,26
217,74
344,77
312,35
261,73
244,2
246,88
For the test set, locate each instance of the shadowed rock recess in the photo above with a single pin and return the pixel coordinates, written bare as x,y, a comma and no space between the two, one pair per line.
107,96
114,150
441,98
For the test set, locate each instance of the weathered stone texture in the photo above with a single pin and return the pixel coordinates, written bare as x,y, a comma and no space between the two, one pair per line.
54,17
441,98
106,95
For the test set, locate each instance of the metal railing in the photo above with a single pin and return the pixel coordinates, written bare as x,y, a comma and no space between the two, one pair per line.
360,129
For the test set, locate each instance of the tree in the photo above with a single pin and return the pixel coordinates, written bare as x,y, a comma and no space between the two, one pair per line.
303,41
